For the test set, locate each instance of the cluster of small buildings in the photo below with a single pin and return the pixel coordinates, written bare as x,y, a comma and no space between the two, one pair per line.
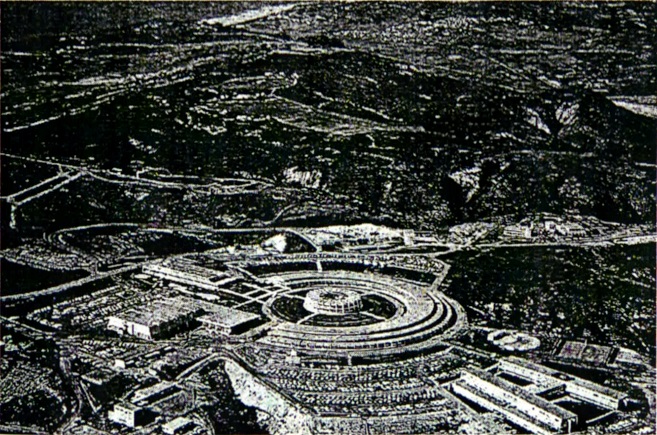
549,227
162,375
89,311
136,412
467,233
367,237
366,234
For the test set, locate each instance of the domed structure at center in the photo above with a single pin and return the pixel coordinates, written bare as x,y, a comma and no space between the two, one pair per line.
333,301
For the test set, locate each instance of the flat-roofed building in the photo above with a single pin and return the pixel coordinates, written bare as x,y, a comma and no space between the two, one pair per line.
579,388
188,272
149,395
229,321
595,394
127,414
156,319
517,405
518,231
585,352
178,425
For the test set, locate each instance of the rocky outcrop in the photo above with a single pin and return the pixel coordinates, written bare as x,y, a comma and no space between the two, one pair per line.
281,416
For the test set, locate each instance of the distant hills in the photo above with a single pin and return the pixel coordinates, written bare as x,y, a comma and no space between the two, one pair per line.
412,115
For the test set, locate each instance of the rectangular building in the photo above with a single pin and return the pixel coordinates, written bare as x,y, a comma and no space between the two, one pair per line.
229,321
187,272
127,414
156,319
577,387
178,426
149,395
525,409
585,352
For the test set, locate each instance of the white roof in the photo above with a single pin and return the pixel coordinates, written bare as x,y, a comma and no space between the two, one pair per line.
227,317
176,423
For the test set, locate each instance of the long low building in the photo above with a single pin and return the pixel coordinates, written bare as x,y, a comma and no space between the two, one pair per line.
518,406
149,395
579,388
188,272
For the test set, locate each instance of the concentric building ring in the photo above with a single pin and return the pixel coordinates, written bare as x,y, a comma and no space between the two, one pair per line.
415,315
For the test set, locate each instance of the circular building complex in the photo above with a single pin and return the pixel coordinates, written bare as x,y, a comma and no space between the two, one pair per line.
347,313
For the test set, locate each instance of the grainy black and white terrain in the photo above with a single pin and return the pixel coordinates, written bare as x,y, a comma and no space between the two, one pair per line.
502,155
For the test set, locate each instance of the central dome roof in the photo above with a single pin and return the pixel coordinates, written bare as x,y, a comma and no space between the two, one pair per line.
333,301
